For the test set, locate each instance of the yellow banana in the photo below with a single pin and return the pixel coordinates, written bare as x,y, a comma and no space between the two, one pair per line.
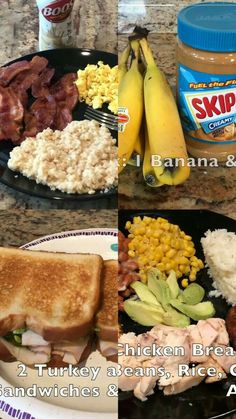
130,108
163,124
148,170
138,151
122,66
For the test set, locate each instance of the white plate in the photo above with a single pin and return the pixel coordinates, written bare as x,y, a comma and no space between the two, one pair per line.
99,241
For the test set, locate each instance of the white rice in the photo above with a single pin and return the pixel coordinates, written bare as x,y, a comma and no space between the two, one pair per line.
219,248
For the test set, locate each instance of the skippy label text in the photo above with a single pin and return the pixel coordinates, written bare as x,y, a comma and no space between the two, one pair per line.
207,102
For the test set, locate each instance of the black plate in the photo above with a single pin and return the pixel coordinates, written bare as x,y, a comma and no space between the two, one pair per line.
64,61
205,400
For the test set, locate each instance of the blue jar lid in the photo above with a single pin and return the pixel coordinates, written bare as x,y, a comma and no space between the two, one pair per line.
209,26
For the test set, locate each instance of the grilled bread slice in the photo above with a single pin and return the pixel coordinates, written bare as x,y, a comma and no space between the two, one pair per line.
107,317
53,294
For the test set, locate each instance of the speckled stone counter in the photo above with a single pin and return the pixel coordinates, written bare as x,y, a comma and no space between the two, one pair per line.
96,28
22,226
209,188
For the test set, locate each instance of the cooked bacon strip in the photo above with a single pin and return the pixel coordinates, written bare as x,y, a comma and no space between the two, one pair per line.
40,86
63,117
24,80
65,91
40,116
11,114
38,64
11,71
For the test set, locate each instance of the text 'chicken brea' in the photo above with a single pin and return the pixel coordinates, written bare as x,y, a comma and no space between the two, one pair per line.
98,84
80,159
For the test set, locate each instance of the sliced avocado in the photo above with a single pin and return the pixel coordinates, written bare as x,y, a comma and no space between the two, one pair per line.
174,318
173,285
198,311
144,293
143,313
180,297
193,294
160,289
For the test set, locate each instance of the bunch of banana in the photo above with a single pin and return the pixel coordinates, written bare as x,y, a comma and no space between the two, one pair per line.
131,107
163,137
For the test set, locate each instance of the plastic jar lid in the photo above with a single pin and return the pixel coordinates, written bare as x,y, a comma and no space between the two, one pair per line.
209,26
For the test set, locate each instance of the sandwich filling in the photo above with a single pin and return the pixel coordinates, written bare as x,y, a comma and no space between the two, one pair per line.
108,348
30,348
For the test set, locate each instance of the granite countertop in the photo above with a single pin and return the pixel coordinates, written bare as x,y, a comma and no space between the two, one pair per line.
207,188
22,226
96,23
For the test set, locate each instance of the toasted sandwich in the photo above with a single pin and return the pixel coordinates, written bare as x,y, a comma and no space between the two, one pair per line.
107,317
48,303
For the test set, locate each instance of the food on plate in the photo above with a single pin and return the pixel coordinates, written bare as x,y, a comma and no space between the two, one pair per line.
166,139
127,272
47,305
80,159
107,319
155,242
162,301
55,101
165,161
219,248
231,325
130,107
208,333
98,84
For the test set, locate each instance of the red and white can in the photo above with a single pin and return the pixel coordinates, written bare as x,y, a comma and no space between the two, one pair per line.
55,24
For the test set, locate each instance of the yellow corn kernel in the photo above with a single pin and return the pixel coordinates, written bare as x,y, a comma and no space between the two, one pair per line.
184,283
188,238
158,256
192,277
182,268
173,264
166,226
166,248
171,253
137,220
128,225
147,220
161,266
165,260
143,259
194,264
200,264
131,253
168,267
182,260
157,234
131,236
143,278
162,220
178,274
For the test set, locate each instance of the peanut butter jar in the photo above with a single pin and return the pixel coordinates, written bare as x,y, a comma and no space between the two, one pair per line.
206,88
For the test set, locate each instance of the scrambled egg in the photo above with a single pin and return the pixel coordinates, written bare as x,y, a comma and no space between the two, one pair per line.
98,84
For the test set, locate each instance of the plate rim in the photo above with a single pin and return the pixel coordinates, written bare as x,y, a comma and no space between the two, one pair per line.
99,231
